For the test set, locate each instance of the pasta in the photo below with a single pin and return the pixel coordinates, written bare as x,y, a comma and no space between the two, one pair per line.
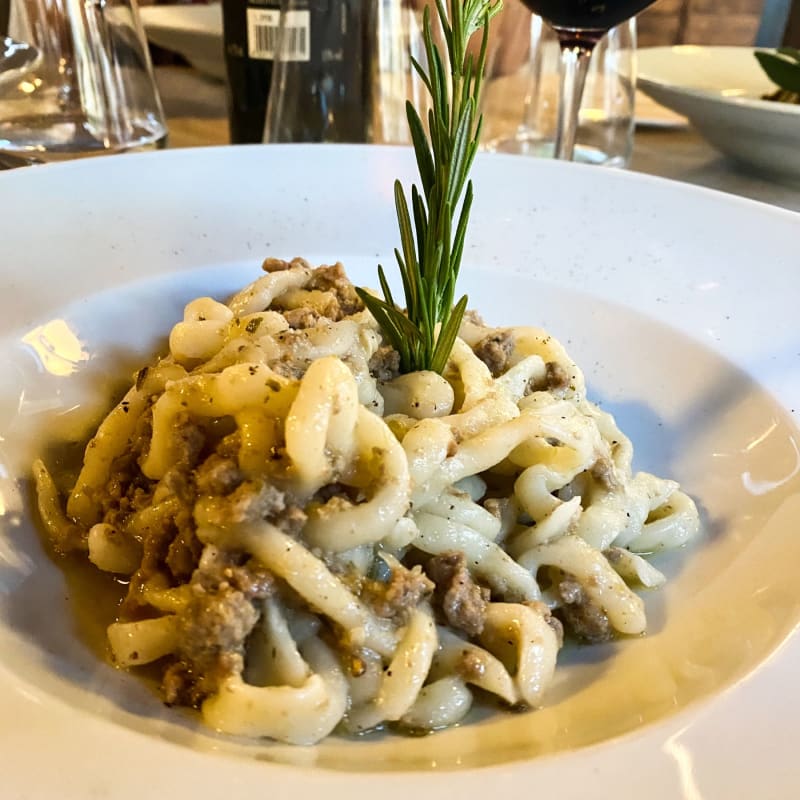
316,543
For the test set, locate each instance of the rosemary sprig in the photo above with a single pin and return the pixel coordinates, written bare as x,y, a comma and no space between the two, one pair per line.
782,68
433,231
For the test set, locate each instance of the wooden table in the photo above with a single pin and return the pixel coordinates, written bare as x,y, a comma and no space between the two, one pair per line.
196,114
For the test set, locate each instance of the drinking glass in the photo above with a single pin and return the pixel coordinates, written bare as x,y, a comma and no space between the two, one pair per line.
579,26
519,101
76,80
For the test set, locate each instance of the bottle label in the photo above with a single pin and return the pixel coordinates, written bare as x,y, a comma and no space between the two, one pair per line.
262,34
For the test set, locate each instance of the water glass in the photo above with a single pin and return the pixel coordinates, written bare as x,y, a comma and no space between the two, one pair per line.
76,80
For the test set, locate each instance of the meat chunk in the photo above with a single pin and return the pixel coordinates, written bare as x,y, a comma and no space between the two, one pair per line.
605,474
253,501
249,502
213,628
333,279
396,597
188,439
218,475
556,377
580,615
494,350
463,602
184,551
275,265
299,318
384,365
279,265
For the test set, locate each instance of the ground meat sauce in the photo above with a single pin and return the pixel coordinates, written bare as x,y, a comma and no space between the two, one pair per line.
398,596
218,475
214,626
462,601
334,280
185,549
384,365
587,621
556,377
279,265
494,350
301,318
605,474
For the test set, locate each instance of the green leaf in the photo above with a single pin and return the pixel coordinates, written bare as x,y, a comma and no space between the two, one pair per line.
422,74
384,318
461,231
780,70
458,157
447,336
385,288
407,243
792,52
420,219
445,23
431,239
481,68
421,149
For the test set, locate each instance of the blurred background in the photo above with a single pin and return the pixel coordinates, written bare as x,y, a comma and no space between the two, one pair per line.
667,22
708,22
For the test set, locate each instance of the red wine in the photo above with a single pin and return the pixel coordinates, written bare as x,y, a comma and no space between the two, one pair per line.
586,15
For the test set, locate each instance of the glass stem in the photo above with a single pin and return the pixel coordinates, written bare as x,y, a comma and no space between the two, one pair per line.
575,58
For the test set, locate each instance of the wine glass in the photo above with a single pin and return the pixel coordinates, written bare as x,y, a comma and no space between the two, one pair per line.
579,26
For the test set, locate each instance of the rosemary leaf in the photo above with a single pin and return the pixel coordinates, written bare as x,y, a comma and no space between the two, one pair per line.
447,336
433,229
385,288
424,158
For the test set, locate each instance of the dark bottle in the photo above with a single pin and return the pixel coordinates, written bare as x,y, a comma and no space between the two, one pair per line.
323,75
250,30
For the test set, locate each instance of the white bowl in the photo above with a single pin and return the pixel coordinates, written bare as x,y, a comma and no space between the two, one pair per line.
720,89
683,335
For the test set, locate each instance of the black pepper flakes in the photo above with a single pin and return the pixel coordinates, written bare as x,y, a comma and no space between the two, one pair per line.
141,375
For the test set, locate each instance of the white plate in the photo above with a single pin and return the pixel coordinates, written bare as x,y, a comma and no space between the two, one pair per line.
649,114
193,31
651,285
719,89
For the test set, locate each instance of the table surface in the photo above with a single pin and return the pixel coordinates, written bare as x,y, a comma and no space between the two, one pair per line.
196,115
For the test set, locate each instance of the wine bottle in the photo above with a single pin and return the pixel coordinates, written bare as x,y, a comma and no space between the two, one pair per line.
250,32
324,72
